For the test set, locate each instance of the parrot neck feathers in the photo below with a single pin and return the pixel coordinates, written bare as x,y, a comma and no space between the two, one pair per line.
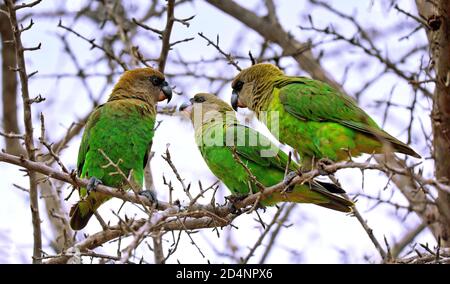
213,124
262,94
264,91
123,94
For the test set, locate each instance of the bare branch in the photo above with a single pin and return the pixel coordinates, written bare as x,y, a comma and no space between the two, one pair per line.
108,53
29,145
228,56
166,35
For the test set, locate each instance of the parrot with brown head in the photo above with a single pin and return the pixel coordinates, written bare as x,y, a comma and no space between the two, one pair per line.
122,128
312,117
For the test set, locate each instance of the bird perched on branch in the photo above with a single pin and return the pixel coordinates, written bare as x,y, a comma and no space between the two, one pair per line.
122,130
245,160
313,118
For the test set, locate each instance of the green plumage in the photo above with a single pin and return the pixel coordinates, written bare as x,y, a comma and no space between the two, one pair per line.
123,129
316,120
254,149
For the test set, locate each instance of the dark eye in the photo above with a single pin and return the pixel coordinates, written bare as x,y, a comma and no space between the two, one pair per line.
199,99
238,86
156,81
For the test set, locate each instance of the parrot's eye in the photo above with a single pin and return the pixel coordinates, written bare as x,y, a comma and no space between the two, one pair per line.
238,86
199,99
156,81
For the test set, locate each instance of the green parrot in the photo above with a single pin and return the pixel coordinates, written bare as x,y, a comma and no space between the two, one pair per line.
123,129
218,134
313,118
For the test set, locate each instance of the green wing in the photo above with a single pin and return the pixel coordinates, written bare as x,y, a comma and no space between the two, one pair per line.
84,146
312,100
254,146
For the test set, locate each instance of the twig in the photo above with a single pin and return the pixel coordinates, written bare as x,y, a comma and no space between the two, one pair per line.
407,239
49,146
158,249
228,56
369,232
11,135
142,25
263,235
168,159
247,170
275,33
25,5
140,234
418,19
27,117
275,232
166,35
108,53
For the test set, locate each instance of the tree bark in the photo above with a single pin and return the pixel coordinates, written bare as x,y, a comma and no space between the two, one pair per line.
27,119
438,18
9,86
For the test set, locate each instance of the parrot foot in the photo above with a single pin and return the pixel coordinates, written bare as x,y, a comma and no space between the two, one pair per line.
233,209
256,206
150,195
92,184
260,206
321,164
287,180
233,199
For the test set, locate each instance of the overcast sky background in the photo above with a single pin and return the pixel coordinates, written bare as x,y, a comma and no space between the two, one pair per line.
318,235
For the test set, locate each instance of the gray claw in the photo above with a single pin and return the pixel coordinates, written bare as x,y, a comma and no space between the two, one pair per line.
233,199
262,207
289,177
150,195
321,164
233,208
92,184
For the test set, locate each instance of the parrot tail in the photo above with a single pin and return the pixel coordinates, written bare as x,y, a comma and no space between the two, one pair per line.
396,144
80,213
403,148
331,187
316,192
333,201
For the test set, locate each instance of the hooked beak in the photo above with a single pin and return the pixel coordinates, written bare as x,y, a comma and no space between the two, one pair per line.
234,100
167,91
185,106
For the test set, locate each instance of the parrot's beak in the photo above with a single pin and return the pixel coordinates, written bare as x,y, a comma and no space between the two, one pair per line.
185,109
234,100
167,92
186,106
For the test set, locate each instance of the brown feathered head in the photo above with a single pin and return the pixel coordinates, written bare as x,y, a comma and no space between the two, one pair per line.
252,83
145,84
204,107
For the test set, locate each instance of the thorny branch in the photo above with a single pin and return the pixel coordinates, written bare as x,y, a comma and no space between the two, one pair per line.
220,214
27,117
166,35
228,56
108,53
